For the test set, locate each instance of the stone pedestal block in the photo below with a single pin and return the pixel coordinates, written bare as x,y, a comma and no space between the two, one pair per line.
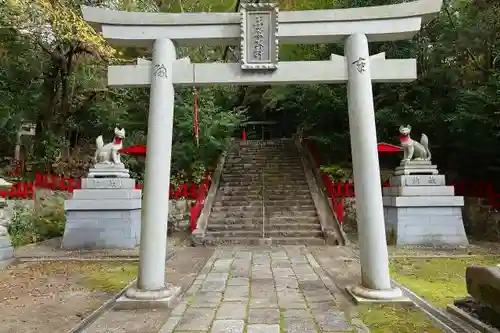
6,249
105,213
420,209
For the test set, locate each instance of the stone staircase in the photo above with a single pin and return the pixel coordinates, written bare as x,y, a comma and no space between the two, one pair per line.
264,198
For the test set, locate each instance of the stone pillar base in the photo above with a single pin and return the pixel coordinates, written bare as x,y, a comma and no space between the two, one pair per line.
148,299
361,294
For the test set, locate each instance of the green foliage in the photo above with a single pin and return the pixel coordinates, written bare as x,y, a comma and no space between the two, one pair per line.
21,228
28,226
335,172
60,84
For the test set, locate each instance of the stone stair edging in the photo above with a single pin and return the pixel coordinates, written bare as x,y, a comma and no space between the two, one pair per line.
198,235
332,230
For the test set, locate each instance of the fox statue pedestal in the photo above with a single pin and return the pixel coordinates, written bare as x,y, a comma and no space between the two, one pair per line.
6,249
105,212
420,209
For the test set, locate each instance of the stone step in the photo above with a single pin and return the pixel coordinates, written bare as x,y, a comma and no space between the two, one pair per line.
275,188
268,226
283,176
269,192
247,176
277,155
262,162
218,214
258,172
268,154
244,198
258,220
311,241
258,168
269,209
268,203
268,233
292,183
297,184
272,157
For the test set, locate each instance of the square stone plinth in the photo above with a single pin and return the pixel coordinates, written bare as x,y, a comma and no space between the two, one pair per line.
99,229
425,225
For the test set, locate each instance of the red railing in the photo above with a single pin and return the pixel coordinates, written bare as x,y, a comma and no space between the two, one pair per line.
25,189
200,202
345,189
338,207
477,189
188,191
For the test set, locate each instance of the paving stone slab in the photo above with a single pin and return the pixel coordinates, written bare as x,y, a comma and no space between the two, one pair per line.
330,320
170,324
256,291
228,326
238,281
270,302
179,309
263,316
196,319
232,310
262,328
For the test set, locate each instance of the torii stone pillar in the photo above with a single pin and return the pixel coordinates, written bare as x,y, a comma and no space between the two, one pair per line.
376,282
151,285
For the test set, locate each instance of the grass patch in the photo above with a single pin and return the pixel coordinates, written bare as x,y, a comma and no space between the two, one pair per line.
439,280
108,277
395,318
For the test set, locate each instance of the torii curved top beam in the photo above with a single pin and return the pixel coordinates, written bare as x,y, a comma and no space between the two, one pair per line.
379,23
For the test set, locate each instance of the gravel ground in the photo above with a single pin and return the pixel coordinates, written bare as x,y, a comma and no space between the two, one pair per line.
47,297
54,296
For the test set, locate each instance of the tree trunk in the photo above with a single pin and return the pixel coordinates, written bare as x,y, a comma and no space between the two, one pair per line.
45,115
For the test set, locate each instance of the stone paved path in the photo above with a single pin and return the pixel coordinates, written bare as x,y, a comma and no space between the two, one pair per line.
254,290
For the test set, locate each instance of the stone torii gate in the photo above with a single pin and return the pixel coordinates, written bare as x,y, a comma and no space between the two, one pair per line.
259,29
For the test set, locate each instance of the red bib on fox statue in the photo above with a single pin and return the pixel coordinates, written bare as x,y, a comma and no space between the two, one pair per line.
413,150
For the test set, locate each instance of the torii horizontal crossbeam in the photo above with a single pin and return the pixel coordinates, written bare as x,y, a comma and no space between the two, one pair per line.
288,72
378,23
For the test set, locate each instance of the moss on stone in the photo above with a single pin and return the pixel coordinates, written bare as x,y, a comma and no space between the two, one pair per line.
395,318
438,280
109,277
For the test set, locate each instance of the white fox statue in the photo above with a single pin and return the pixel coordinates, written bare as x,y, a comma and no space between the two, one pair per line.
413,150
109,153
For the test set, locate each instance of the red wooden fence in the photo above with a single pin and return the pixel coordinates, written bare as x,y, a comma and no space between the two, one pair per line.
345,189
25,189
337,205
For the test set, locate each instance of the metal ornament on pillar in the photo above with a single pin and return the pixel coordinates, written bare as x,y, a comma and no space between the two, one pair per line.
376,282
151,284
